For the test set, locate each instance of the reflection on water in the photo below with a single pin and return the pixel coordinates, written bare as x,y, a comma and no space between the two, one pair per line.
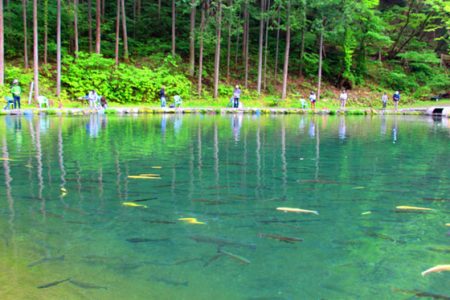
102,207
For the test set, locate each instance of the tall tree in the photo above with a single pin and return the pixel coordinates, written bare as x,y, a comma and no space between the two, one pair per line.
159,9
217,55
58,48
125,34
45,31
116,51
266,48
98,27
319,79
302,42
2,46
203,9
192,39
246,44
286,52
35,50
89,13
230,21
25,34
261,43
173,26
277,47
75,26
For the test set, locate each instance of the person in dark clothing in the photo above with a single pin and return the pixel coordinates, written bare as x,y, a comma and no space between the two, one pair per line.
236,95
162,96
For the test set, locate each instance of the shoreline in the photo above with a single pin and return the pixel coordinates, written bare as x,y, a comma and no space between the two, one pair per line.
422,111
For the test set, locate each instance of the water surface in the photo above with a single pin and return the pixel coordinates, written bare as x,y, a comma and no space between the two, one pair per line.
65,182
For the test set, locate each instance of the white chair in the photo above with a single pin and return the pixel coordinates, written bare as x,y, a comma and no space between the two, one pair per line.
9,102
303,103
42,100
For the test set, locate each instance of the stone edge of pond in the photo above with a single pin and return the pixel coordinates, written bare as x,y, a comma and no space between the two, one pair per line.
255,111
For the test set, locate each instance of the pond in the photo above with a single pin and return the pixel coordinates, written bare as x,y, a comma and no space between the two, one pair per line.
185,207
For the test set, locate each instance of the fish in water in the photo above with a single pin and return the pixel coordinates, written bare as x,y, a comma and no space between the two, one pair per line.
447,224
145,176
86,285
212,259
145,240
170,281
221,242
46,260
280,238
436,269
421,294
156,167
191,221
384,237
50,284
143,200
298,210
6,159
239,258
412,208
159,222
132,204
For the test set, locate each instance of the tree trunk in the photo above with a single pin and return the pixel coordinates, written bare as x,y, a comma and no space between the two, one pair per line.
159,9
320,62
125,34
302,52
75,25
286,53
266,49
90,25
45,31
98,28
217,55
200,58
277,47
237,43
247,29
192,40
173,27
260,51
2,47
230,3
35,50
25,34
58,48
116,50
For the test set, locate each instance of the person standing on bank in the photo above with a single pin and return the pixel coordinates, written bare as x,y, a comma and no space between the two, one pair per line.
16,91
384,100
162,96
312,99
396,99
236,96
343,98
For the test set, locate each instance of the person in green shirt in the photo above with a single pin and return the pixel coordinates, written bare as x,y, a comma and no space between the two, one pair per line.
16,91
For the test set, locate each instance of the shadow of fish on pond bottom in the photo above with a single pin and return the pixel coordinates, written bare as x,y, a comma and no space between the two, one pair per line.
86,285
168,281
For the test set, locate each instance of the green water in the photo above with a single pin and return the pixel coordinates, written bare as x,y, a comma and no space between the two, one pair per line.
231,173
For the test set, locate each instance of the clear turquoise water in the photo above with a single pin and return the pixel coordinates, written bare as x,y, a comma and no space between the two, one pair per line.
230,172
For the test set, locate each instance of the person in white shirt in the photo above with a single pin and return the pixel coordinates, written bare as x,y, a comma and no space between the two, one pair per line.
384,100
343,97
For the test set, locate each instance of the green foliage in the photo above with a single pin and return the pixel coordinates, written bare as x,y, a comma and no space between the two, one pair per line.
122,84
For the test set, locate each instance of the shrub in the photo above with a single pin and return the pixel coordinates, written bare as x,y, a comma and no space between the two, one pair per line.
124,83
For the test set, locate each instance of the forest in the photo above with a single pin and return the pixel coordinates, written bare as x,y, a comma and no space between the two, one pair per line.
200,49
